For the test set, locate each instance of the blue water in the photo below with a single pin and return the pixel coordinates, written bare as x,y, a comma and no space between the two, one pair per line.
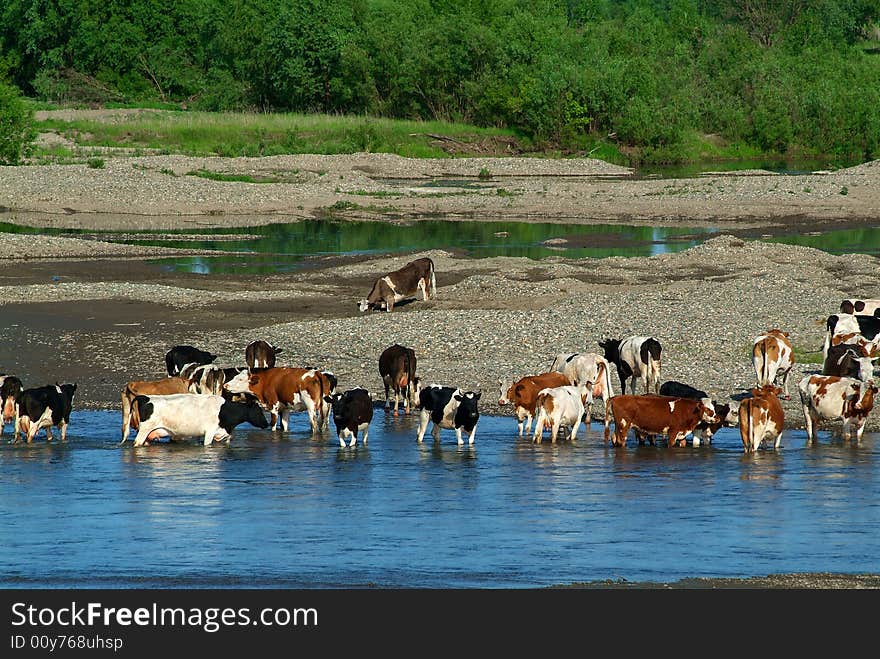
287,510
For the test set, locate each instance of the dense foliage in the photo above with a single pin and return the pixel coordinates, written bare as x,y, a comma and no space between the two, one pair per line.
780,75
16,125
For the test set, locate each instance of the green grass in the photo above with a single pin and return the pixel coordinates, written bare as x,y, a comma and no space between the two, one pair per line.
222,176
241,134
804,356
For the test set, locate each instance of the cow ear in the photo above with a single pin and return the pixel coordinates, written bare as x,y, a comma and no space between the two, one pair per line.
253,379
478,394
856,387
328,399
458,398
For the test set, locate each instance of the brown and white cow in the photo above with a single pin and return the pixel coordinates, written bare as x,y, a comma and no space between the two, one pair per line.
656,415
561,406
415,276
830,397
761,418
281,389
10,388
848,361
586,367
523,394
772,356
163,387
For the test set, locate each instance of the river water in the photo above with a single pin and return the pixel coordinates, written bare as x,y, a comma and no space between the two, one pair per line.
287,510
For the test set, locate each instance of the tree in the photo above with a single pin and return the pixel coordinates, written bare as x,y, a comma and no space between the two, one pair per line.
16,125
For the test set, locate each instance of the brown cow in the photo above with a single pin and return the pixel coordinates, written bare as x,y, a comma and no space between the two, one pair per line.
761,418
163,387
279,389
656,415
524,395
415,276
260,354
397,367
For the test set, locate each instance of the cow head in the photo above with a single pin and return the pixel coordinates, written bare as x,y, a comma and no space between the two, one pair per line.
335,402
242,383
68,390
254,414
707,412
728,412
364,304
865,366
611,347
864,395
505,392
467,403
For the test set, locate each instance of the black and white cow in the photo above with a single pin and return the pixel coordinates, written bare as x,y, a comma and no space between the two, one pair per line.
193,415
448,407
43,407
10,388
180,356
352,411
727,413
637,357
260,354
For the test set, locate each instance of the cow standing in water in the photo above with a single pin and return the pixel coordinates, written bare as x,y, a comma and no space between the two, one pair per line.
10,388
397,367
352,412
448,407
415,276
43,407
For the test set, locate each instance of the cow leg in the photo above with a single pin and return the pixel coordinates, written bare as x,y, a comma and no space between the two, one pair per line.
64,425
554,431
458,436
387,393
778,442
574,430
423,425
284,415
860,428
529,419
472,435
435,432
539,427
698,434
396,400
341,435
785,384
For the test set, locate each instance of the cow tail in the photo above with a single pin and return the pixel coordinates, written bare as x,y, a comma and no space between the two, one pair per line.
433,282
650,373
607,420
764,365
321,400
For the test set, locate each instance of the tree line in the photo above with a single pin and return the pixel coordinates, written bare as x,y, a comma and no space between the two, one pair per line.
775,75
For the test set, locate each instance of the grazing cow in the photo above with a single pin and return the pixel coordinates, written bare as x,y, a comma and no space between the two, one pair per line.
415,276
352,411
10,388
204,379
761,418
278,389
163,387
581,368
43,407
562,406
830,397
397,367
772,356
727,413
193,415
260,354
636,357
845,361
180,356
448,407
656,415
523,394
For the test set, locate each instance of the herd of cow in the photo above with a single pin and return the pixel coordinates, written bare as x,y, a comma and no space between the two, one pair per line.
200,399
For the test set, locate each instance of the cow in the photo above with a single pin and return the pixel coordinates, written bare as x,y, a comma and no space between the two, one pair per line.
163,387
656,415
415,276
837,324
562,406
10,388
586,367
204,378
761,418
179,356
260,354
636,357
862,307
193,415
830,397
860,343
772,356
397,368
448,407
848,361
352,411
728,413
523,395
43,407
280,388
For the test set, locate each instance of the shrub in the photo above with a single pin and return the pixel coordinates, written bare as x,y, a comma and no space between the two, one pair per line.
96,163
16,126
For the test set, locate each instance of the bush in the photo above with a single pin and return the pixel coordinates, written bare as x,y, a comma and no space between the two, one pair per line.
16,126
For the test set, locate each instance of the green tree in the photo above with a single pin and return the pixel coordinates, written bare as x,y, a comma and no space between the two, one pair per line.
16,125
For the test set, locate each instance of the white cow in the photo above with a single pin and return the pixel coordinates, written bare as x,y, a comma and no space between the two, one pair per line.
193,415
581,368
561,406
830,397
772,356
